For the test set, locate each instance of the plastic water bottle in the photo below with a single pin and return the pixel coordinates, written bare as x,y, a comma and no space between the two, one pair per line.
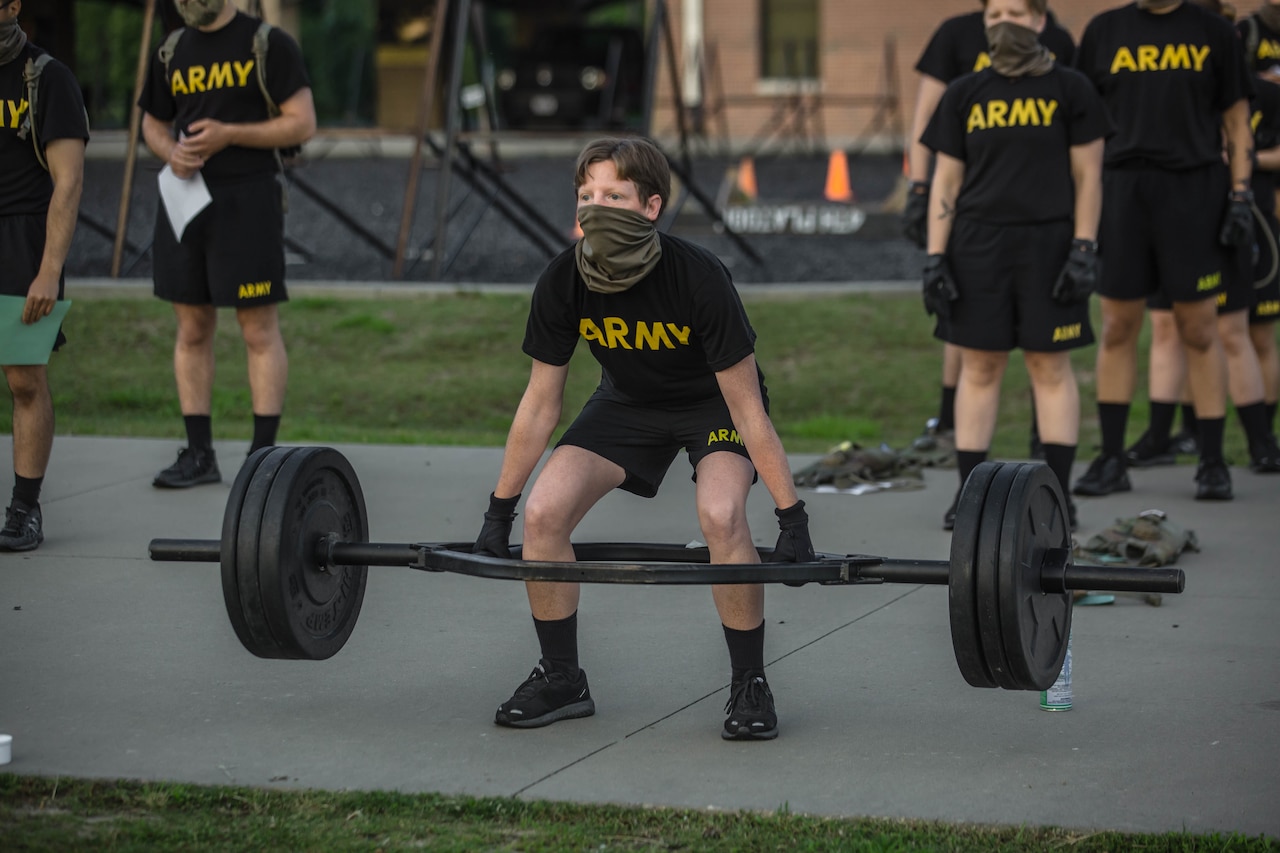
1058,697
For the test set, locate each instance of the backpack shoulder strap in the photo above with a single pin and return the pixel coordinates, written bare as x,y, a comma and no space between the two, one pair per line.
168,46
31,76
1252,37
260,43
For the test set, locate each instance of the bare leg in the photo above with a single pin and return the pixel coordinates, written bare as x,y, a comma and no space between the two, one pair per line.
193,357
978,398
1057,396
268,361
32,419
723,482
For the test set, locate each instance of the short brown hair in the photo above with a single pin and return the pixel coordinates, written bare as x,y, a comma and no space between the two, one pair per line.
635,159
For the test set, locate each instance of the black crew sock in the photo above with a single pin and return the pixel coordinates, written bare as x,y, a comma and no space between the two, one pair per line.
199,431
1253,418
947,412
966,461
1060,458
1162,415
1271,415
746,652
559,641
265,428
26,491
1113,418
1190,423
1211,430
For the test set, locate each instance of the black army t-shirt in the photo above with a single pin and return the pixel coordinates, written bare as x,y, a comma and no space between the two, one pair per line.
212,75
1015,136
660,342
1266,53
959,46
1265,119
1166,80
25,187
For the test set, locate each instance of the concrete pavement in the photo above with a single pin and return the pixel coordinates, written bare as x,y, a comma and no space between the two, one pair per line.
115,666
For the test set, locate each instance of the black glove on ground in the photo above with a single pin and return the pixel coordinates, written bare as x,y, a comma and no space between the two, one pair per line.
794,544
1079,276
916,213
939,287
495,535
1237,224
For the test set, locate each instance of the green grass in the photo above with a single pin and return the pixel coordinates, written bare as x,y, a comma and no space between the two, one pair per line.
448,370
66,814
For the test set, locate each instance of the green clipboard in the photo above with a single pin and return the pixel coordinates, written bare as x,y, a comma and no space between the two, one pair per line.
23,344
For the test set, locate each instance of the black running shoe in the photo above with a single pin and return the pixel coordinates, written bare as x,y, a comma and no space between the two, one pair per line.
1146,452
545,697
750,710
194,467
949,517
1213,481
1106,474
1185,443
23,529
1264,456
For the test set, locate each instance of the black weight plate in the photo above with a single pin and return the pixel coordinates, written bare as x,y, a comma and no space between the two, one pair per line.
987,572
230,534
962,598
264,644
311,608
1035,624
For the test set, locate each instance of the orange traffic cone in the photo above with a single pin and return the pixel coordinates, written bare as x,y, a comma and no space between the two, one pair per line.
838,188
747,179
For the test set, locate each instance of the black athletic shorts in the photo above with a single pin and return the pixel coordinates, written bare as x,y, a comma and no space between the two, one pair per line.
644,441
21,251
1159,233
231,255
1237,293
1266,278
1005,275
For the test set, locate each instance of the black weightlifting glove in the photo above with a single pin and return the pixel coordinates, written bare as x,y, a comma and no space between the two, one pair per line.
1079,276
939,287
495,535
794,544
916,213
1237,223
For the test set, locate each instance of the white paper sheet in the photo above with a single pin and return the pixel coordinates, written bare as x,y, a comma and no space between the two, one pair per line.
183,199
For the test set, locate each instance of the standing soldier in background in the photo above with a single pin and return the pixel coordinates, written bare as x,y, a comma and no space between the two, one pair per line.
41,175
1174,80
232,253
958,47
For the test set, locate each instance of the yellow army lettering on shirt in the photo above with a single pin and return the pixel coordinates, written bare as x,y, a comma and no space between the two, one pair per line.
254,289
1269,49
1155,57
617,334
15,110
717,436
220,75
1020,112
1068,332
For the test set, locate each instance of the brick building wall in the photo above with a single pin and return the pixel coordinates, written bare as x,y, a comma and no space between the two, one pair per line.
841,112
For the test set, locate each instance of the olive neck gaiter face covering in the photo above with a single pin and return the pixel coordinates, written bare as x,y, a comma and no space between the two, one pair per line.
618,247
200,13
1016,50
12,41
